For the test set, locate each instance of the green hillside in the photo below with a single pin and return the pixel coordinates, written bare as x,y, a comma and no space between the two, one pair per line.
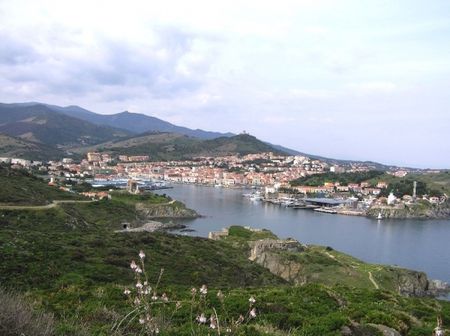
71,262
21,188
171,146
342,178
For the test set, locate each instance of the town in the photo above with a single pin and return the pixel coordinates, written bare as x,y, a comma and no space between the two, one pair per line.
273,177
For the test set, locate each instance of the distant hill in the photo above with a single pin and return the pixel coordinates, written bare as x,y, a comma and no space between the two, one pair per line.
169,146
20,148
114,126
133,122
41,124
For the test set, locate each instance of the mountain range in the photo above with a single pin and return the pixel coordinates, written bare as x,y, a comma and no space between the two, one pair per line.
44,131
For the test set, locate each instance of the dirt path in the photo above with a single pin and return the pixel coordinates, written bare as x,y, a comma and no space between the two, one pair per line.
40,207
373,280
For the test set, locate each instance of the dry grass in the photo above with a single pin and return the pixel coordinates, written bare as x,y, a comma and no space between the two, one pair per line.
17,317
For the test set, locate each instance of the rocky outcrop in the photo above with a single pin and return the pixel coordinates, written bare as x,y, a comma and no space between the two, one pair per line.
356,329
152,226
166,210
265,253
422,210
300,264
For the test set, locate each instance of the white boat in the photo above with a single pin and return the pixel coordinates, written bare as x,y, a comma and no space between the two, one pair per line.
380,216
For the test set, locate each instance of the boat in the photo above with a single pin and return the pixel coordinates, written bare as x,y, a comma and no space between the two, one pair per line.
380,216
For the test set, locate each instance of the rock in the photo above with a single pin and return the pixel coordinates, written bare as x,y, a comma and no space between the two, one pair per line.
172,210
264,252
386,330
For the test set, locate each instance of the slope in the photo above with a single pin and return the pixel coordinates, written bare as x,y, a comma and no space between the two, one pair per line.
39,123
171,146
20,148
133,122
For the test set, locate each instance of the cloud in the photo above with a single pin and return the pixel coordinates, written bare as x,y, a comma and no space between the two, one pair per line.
373,87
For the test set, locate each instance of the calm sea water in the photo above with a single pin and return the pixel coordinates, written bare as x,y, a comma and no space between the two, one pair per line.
416,244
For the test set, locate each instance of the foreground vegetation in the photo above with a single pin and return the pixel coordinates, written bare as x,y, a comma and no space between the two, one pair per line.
19,187
70,264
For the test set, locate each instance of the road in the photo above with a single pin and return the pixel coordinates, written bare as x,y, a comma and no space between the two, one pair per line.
41,207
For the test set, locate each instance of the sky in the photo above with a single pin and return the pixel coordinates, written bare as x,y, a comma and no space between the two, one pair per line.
356,79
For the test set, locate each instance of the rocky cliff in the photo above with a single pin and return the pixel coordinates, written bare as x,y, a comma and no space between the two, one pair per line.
300,264
172,209
420,210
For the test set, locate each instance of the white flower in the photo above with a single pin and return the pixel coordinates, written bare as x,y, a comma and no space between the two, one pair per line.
138,269
252,300
137,301
154,297
164,297
212,324
141,254
145,283
253,313
201,318
126,291
139,285
141,321
133,265
203,290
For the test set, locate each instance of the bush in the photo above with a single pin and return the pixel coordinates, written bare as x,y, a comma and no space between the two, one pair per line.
17,317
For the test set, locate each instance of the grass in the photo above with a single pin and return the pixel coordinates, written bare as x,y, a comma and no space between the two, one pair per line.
21,188
69,262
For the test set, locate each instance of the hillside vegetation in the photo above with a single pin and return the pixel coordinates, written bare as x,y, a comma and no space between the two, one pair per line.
71,262
18,187
343,178
20,148
171,146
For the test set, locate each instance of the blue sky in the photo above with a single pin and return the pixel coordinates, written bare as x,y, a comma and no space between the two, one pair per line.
363,80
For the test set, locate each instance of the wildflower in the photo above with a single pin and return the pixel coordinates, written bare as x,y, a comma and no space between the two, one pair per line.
240,319
141,321
201,318
137,301
145,283
220,295
133,265
147,291
251,300
126,291
193,291
138,269
141,254
178,305
253,313
203,290
164,297
139,285
154,297
213,322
